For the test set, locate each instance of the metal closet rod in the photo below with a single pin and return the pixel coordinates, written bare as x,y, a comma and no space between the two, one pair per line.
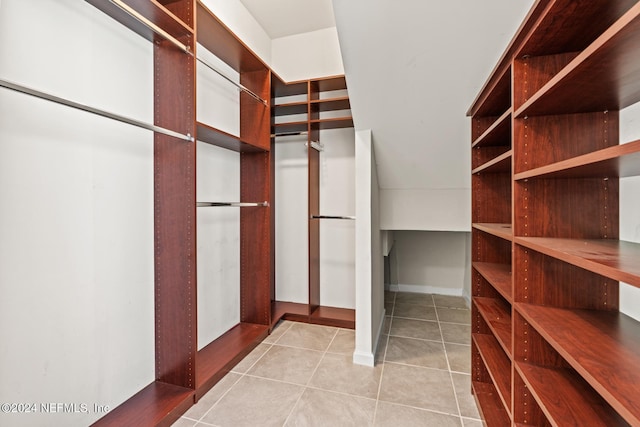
183,47
43,95
332,217
274,135
232,204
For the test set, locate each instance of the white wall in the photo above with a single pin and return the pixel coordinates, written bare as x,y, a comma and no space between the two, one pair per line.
308,55
217,180
369,255
430,262
76,253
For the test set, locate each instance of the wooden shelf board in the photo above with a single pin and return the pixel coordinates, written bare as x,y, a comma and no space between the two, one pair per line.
289,311
502,163
218,39
290,108
495,98
565,399
504,231
615,259
334,316
489,404
499,276
217,137
336,123
150,9
605,76
331,83
158,404
290,127
617,161
498,134
568,27
280,88
602,346
332,104
498,319
216,359
498,365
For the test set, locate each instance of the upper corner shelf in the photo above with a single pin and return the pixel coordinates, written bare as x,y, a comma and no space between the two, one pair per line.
605,76
495,99
499,133
217,38
153,11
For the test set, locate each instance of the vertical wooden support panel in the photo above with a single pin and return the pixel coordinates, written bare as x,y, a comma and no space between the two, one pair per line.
175,222
256,223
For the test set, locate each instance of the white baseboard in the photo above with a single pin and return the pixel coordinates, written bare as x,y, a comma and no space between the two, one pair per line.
369,358
426,289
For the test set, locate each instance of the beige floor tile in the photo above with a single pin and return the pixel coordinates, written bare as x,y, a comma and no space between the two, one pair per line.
325,408
414,298
466,402
338,373
387,325
294,365
410,351
456,333
382,348
251,358
454,315
418,387
344,342
212,396
472,423
388,308
389,296
449,301
410,328
184,422
391,415
255,402
312,337
278,331
459,357
414,311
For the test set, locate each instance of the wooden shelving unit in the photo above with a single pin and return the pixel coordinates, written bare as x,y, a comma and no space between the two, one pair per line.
550,347
319,99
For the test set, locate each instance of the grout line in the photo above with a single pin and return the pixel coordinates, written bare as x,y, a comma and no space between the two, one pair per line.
221,397
453,386
335,334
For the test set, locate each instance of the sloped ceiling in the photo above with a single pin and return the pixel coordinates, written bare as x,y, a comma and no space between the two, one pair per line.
413,69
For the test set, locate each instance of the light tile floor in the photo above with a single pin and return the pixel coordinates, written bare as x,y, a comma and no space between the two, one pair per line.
302,375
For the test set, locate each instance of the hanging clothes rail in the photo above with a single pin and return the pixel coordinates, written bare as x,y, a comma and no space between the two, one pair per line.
43,95
275,135
232,204
159,31
332,217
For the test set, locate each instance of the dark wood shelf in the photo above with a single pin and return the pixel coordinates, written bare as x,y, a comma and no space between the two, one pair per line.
220,138
602,346
337,123
158,404
153,11
290,127
500,164
615,259
498,365
498,316
605,76
498,134
565,399
567,26
281,310
216,359
334,316
330,104
218,39
504,231
290,108
280,88
499,276
495,98
617,161
489,404
328,84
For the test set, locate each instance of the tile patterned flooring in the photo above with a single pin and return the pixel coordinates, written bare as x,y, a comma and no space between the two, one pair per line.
302,375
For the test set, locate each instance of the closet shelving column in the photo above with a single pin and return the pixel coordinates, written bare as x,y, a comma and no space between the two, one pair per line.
318,100
574,355
164,400
256,227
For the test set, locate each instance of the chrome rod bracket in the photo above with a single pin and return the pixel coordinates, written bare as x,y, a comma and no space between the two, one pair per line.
232,204
315,145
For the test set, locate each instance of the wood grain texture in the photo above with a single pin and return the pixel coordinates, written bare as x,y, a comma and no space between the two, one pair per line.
526,411
491,197
498,276
497,314
498,365
219,138
255,117
498,133
618,339
532,73
493,163
489,404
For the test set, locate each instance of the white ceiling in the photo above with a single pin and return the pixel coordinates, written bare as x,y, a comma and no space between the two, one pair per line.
281,18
